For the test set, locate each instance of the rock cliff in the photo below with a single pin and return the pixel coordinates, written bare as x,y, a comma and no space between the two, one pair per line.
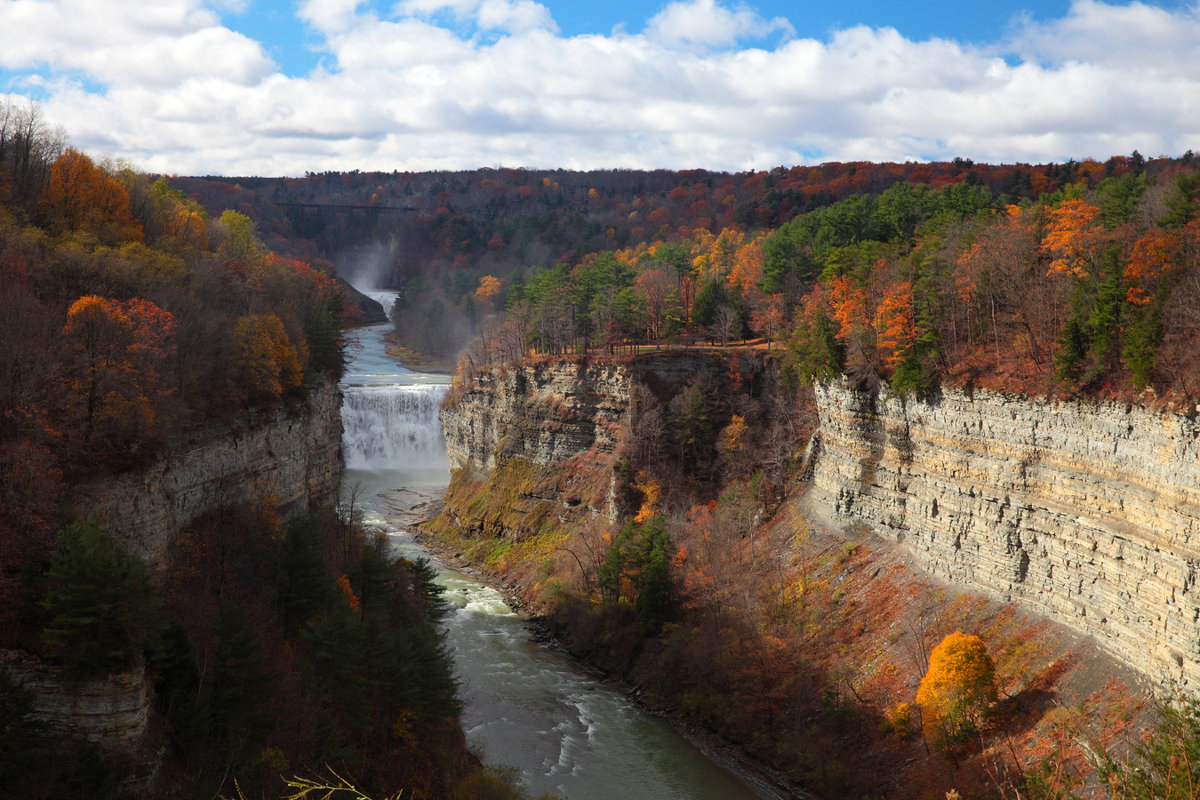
113,711
294,455
544,414
549,413
544,437
1089,512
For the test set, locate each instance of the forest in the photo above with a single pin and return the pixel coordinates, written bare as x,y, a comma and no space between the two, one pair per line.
1045,278
297,653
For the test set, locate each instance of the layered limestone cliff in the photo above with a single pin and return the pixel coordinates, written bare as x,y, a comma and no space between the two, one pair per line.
294,456
545,414
545,436
113,711
549,413
1089,512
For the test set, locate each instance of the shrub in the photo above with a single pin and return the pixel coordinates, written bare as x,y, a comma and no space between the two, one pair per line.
957,690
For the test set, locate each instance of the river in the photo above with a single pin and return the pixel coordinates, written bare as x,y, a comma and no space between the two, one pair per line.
524,706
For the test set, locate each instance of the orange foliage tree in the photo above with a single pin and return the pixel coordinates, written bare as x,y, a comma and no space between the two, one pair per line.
81,196
894,323
1075,239
849,308
958,689
1153,255
115,351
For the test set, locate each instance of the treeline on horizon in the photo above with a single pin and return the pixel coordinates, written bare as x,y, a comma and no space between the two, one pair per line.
1020,277
132,321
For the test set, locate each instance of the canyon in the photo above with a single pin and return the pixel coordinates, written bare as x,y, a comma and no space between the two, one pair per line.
1084,511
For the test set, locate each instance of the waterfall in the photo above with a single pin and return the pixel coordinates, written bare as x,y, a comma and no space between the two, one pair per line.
393,426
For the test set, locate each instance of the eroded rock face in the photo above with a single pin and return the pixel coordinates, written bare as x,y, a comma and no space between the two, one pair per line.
1089,512
293,456
112,711
550,413
544,414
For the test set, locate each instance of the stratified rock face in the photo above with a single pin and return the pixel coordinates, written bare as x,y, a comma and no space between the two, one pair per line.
294,456
112,711
1088,512
544,414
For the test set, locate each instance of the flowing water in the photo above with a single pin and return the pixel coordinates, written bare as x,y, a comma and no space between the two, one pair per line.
524,705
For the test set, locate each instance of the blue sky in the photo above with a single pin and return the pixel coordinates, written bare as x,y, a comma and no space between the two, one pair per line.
296,51
244,87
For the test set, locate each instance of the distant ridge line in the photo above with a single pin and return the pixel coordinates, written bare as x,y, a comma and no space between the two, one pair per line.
345,207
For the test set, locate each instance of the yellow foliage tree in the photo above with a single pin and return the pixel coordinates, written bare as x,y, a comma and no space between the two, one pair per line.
489,287
268,360
957,690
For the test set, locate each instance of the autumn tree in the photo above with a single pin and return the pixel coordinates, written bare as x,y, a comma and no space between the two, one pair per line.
663,307
768,317
1006,297
489,288
81,196
958,689
115,354
895,329
267,359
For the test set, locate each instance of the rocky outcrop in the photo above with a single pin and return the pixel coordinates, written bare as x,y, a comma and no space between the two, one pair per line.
112,711
1089,512
545,414
293,455
550,413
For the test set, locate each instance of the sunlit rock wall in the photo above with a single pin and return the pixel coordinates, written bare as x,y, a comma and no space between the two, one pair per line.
1089,512
545,414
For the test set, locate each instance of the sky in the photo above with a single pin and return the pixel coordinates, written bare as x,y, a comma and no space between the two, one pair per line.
244,87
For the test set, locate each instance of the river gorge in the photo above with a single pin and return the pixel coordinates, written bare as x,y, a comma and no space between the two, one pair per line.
525,706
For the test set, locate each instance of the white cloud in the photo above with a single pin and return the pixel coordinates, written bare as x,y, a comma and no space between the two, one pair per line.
710,24
120,42
1134,36
329,16
184,94
508,15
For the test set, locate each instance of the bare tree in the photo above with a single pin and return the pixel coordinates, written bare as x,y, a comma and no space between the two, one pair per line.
727,324
28,148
